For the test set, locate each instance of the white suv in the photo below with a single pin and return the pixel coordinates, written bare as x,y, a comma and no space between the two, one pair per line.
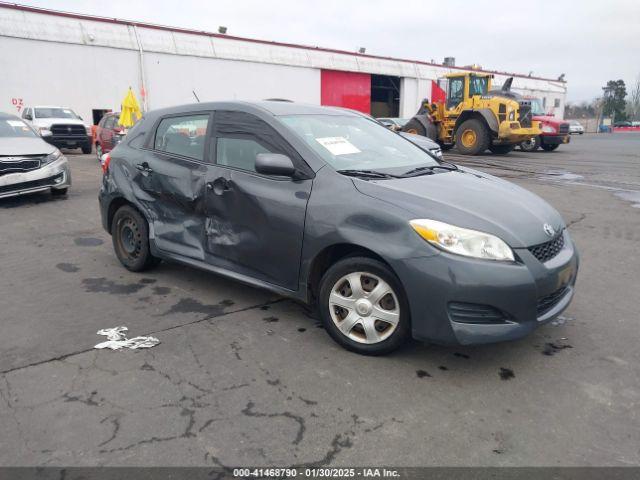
59,126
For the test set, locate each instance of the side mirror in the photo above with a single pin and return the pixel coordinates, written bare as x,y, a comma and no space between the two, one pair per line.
274,164
28,117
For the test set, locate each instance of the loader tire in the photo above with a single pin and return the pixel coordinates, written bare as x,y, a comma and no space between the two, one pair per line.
472,137
415,127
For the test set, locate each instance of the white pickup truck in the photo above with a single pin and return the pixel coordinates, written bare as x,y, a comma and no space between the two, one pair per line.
59,126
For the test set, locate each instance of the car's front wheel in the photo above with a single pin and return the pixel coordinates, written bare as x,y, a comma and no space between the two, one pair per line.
130,236
363,306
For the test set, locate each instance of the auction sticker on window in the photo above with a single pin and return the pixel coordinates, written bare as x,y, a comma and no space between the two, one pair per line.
338,145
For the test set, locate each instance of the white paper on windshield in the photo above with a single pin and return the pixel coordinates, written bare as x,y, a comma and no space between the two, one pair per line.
16,123
338,145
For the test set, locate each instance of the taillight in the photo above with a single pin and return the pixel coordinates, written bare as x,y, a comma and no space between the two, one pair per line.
106,160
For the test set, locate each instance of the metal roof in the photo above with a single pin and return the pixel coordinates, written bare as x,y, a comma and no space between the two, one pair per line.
183,41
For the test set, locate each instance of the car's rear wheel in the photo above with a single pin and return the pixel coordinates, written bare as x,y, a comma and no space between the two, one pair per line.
363,306
549,148
530,145
130,236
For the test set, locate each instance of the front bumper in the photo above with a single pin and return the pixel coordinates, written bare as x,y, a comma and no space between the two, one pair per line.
458,300
555,139
513,132
68,141
54,175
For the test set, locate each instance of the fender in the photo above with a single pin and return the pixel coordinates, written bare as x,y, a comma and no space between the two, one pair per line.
486,113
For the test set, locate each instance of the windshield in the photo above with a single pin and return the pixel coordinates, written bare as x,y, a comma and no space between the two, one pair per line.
478,85
536,107
15,128
55,113
356,143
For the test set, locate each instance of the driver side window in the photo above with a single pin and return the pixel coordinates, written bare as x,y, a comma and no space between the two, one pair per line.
456,92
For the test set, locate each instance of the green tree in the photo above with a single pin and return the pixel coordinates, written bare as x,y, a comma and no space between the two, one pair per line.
614,100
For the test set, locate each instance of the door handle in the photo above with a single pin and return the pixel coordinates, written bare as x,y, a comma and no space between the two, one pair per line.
219,186
144,167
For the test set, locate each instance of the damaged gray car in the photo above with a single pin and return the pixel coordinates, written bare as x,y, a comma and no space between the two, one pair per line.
28,164
329,208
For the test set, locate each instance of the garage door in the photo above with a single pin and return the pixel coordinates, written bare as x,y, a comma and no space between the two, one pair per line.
346,89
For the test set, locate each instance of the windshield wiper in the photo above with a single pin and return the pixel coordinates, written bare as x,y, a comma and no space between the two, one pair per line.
366,173
426,170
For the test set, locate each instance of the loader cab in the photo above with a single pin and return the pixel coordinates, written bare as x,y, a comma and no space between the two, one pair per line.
460,87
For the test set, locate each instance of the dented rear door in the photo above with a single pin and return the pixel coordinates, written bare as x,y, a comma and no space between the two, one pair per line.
170,177
254,223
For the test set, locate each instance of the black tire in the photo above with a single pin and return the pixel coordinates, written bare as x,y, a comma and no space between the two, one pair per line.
59,192
530,145
415,127
130,237
86,149
549,148
501,149
481,136
367,265
99,152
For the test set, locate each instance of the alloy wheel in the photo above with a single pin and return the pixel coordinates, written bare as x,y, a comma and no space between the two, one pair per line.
364,307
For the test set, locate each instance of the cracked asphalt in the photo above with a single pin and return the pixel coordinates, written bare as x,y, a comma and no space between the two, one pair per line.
243,377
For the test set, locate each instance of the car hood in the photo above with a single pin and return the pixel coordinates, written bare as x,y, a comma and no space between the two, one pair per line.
46,122
548,119
471,199
24,146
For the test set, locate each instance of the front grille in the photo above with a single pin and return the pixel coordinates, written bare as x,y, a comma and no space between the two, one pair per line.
475,313
44,182
525,113
564,128
65,130
547,302
546,251
18,164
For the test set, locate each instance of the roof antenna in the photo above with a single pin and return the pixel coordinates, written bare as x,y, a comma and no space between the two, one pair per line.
194,94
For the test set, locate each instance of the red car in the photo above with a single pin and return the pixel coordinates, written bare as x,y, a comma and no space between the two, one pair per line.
555,131
108,133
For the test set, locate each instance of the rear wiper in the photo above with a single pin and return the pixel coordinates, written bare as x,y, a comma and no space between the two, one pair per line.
366,173
450,167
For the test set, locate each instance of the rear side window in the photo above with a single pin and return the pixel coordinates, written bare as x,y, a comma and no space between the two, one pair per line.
241,136
110,122
182,136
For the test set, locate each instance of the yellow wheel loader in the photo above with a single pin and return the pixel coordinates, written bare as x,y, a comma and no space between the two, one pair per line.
475,118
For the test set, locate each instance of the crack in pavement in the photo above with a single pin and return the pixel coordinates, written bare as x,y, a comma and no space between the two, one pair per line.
154,332
249,412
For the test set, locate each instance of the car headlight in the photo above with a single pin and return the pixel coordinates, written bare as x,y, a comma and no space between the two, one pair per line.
512,115
463,241
548,129
52,157
44,131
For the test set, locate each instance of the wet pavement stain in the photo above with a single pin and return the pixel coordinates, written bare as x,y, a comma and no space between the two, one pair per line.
271,319
102,285
161,290
67,267
302,329
506,374
461,355
422,373
442,367
148,281
551,348
191,305
227,303
88,241
264,307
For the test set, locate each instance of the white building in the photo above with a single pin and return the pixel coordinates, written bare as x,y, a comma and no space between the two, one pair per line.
87,63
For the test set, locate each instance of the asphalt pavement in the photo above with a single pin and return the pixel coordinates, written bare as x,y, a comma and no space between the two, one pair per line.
244,377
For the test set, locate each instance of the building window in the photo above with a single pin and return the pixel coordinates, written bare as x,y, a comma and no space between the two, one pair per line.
556,103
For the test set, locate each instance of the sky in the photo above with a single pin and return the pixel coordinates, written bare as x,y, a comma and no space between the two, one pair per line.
590,41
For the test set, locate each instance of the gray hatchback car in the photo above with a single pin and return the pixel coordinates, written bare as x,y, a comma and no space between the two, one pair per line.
334,210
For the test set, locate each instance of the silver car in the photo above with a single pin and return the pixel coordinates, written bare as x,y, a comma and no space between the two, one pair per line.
28,164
